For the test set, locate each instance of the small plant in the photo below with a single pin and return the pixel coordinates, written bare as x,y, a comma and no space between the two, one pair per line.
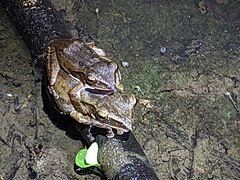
97,12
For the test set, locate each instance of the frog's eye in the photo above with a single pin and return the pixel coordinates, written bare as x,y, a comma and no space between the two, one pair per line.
90,79
101,114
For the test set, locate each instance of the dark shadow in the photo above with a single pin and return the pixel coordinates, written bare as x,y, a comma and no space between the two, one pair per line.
58,118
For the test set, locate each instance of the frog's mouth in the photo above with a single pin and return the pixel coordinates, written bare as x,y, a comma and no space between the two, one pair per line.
119,124
100,91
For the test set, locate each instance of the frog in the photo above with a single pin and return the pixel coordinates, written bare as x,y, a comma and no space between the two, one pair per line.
112,112
84,61
87,106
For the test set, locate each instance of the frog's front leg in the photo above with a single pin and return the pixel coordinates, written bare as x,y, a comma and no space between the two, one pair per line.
79,117
83,120
88,120
53,66
120,131
75,98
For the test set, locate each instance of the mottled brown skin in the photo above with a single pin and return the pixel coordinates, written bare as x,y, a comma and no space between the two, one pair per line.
85,62
103,111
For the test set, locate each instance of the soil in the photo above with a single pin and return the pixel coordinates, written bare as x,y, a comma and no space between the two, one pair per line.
180,58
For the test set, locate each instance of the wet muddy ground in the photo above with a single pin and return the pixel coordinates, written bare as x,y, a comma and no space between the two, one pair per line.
180,58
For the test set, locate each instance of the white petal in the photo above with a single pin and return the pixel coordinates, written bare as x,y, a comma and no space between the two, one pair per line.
91,156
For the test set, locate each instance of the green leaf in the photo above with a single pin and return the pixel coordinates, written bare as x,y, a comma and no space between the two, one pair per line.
87,158
80,159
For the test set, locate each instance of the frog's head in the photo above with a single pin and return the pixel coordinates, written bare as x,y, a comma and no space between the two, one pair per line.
104,76
116,112
113,111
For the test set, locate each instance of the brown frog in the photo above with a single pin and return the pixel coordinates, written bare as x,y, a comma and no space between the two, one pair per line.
88,106
85,62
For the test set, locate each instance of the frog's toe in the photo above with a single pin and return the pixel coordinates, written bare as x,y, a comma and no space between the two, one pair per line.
52,80
120,131
79,117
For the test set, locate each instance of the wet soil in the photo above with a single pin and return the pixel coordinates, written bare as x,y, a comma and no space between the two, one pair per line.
183,64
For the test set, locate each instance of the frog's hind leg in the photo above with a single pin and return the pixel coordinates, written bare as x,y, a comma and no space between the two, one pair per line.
75,98
53,66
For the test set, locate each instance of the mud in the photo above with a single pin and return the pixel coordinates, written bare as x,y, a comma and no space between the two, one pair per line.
184,119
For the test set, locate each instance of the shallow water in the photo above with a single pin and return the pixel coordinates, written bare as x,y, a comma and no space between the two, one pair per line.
186,124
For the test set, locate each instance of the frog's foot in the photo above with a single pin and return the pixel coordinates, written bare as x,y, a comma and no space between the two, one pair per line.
121,131
53,92
97,50
53,66
75,98
100,52
119,86
80,118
